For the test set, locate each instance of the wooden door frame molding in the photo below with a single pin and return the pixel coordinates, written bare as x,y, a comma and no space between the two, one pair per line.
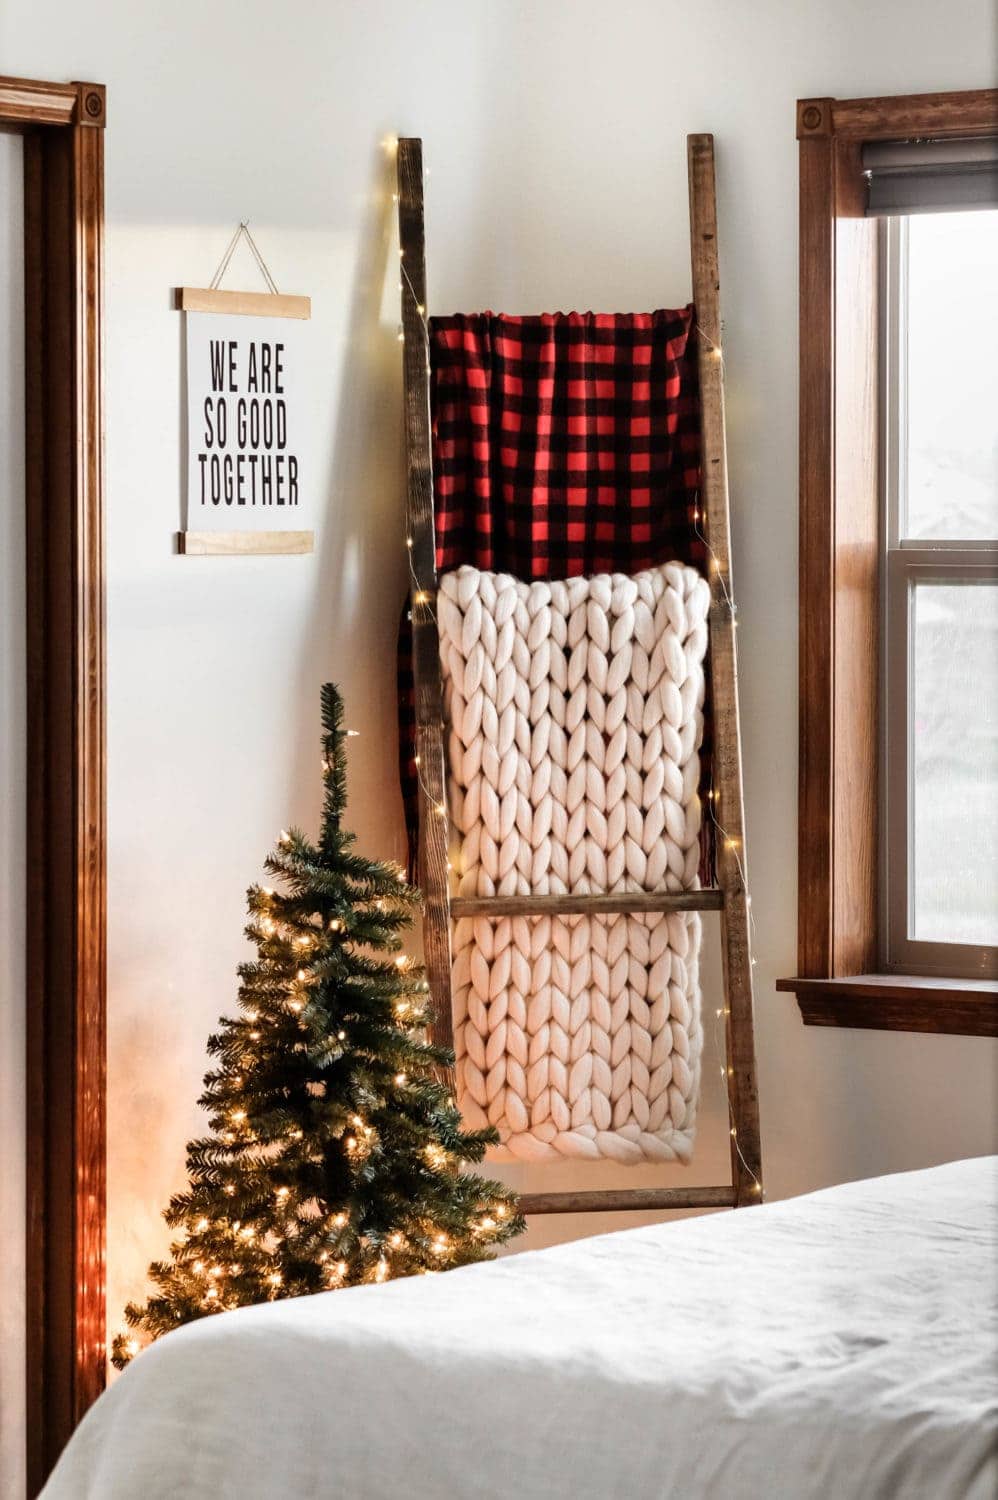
63,130
837,925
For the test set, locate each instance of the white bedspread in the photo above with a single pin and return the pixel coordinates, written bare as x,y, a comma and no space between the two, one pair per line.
841,1344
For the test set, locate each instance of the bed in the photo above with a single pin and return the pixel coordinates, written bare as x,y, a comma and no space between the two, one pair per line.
840,1344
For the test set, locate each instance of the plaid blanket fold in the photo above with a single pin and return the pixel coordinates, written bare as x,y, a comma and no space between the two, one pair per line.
563,444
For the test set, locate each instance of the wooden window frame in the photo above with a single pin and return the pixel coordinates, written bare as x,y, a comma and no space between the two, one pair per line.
837,981
62,125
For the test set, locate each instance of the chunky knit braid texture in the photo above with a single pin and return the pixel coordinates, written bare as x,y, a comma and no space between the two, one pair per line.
575,713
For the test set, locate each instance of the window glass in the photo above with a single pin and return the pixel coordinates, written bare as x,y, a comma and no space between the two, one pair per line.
952,389
954,762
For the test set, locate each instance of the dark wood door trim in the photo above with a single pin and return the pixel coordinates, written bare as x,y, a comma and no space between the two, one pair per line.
62,125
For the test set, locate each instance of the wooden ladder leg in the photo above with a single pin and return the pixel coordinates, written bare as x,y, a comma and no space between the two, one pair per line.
743,1100
428,682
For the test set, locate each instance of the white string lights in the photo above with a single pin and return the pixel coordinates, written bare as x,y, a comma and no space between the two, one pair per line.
713,349
722,1012
731,844
421,596
419,306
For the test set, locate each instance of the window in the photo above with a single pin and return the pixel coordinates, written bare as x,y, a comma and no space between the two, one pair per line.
939,446
897,860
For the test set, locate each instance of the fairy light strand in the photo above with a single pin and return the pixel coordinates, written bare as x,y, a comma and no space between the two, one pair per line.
713,347
718,569
727,1072
421,596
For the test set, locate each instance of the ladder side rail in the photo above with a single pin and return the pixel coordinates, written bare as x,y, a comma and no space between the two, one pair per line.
743,1100
427,678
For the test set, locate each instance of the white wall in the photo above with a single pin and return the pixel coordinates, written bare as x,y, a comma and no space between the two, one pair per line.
555,134
12,812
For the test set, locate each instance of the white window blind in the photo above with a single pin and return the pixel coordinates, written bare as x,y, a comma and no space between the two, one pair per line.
931,176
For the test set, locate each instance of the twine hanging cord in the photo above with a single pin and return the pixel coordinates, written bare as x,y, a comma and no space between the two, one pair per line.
243,232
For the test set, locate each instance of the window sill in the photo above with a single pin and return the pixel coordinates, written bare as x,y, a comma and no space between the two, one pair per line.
898,1002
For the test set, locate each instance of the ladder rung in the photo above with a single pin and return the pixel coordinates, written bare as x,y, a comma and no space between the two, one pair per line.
633,1198
622,902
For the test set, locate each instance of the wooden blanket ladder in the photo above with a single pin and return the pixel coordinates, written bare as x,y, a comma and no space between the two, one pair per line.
729,896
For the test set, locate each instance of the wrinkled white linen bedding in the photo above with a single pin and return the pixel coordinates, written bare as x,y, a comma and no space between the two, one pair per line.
839,1345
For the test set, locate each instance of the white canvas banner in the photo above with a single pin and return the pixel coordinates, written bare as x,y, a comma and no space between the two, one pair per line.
248,454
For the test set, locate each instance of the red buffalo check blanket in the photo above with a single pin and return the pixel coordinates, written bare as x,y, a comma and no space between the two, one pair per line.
566,443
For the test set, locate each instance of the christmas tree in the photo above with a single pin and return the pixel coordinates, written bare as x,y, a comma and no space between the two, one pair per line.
336,1148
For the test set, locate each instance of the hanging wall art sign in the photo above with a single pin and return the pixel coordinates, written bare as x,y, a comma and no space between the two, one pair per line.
250,481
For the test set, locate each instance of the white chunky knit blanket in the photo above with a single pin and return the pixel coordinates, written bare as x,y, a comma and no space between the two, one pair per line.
575,714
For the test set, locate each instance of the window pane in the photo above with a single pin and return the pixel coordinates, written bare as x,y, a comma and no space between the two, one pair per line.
952,315
955,763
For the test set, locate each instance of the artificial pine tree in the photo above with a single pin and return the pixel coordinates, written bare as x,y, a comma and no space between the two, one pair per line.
336,1148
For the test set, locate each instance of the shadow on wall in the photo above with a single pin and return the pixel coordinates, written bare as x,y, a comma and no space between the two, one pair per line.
364,520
